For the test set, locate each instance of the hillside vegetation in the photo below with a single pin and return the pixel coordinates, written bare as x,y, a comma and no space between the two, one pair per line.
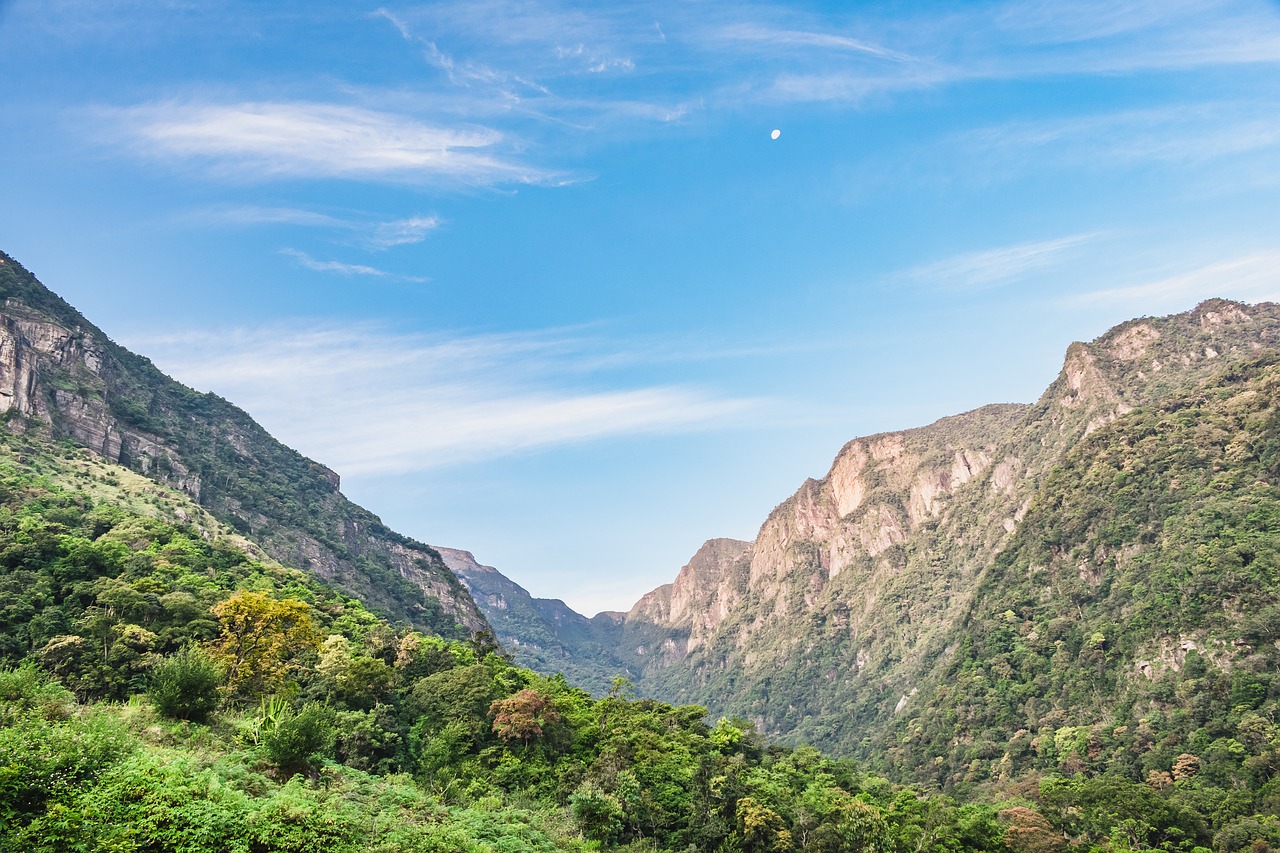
167,689
1131,624
948,596
1034,628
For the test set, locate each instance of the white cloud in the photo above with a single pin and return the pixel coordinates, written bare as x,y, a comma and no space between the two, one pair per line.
367,401
318,140
993,267
1108,37
810,58
258,215
372,235
341,268
402,231
396,22
1187,133
1252,277
771,38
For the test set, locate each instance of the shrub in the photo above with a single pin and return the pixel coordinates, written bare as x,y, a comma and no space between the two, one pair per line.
296,740
43,760
184,686
27,690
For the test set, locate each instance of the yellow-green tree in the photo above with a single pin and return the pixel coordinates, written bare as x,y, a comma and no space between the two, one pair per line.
761,829
355,679
260,637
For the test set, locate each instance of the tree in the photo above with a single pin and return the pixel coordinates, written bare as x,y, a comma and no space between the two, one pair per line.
523,716
357,680
598,812
761,828
259,637
1029,832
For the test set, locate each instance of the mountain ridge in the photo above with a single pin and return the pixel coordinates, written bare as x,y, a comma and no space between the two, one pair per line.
839,614
62,376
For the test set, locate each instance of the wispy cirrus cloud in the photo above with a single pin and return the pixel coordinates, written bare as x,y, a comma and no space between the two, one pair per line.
527,69
415,402
538,62
298,139
994,267
362,229
402,232
773,38
810,58
341,268
252,214
1253,276
1109,37
1185,134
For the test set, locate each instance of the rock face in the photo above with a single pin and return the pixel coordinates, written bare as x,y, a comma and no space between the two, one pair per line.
60,376
704,592
856,587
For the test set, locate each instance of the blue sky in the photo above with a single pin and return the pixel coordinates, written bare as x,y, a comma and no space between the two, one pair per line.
536,280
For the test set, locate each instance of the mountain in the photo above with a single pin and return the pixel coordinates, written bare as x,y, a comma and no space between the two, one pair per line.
1034,575
63,379
845,618
1064,613
1131,620
167,684
545,635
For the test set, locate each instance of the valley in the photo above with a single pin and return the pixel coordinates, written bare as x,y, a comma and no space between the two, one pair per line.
1020,628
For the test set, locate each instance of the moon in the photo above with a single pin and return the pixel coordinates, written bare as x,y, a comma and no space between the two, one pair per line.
776,133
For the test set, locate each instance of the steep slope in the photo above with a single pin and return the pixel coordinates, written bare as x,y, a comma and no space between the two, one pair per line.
61,377
545,635
667,624
860,582
1132,620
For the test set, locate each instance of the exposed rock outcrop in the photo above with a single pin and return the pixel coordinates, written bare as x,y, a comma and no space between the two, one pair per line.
855,584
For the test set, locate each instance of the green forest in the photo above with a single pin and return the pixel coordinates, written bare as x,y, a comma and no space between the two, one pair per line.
167,685
166,690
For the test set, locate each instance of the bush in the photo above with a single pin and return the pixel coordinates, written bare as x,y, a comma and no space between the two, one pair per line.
184,686
43,760
27,690
296,740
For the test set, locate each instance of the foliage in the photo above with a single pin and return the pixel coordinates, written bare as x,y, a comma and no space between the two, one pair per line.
185,685
1112,688
295,741
259,638
204,446
523,716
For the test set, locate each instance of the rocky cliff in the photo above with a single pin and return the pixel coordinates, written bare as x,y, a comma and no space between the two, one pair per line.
62,378
828,625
